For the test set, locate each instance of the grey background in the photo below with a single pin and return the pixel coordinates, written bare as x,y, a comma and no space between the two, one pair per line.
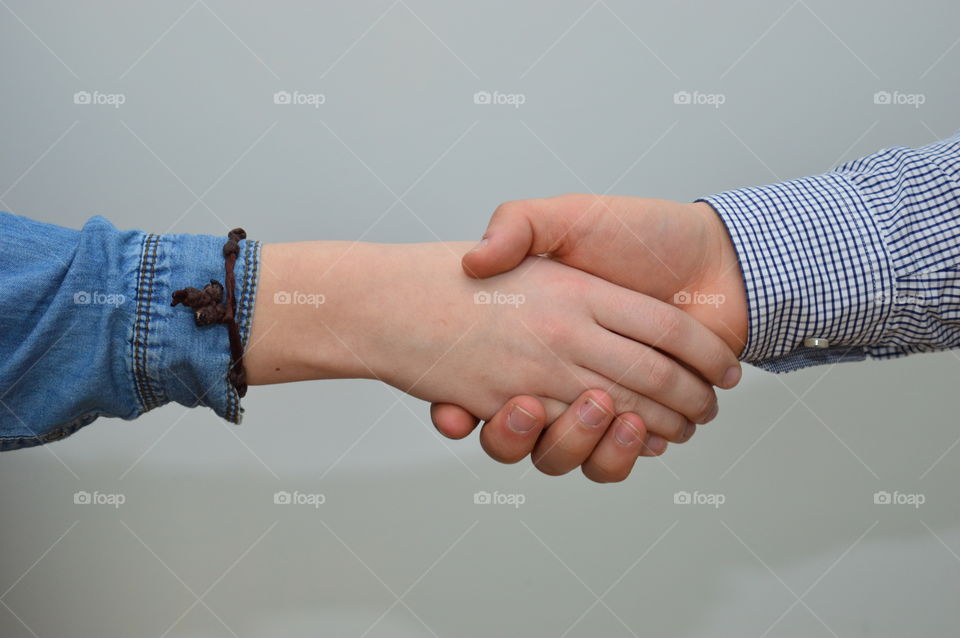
400,152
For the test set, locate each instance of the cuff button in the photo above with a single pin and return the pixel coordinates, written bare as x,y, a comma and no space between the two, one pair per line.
816,342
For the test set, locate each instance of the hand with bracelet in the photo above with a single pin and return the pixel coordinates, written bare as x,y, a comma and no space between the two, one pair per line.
407,315
403,314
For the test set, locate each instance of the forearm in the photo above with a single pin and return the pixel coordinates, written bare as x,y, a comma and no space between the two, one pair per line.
307,293
333,310
408,315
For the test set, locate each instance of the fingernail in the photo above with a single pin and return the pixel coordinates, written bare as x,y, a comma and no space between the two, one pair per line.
732,376
625,434
688,431
521,421
483,242
592,414
712,414
656,443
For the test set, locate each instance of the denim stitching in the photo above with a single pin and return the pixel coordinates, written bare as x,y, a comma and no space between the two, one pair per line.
249,297
233,399
57,433
252,269
152,264
145,392
137,368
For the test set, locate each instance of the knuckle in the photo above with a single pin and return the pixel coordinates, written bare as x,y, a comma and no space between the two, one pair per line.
657,418
574,283
718,359
658,452
661,373
509,209
556,332
707,404
669,324
670,427
625,400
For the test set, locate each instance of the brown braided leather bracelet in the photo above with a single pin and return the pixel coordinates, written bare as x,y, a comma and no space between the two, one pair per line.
209,307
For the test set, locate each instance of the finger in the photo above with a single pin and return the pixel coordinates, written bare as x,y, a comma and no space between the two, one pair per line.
651,373
571,439
655,445
554,409
521,228
660,420
512,432
615,454
667,328
452,421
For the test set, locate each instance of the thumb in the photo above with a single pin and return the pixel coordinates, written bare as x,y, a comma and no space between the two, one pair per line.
530,227
508,240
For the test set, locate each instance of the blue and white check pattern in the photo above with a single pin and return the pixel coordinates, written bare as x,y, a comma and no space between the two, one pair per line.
866,256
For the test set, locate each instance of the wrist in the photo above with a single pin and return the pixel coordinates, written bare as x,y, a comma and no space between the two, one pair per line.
336,310
313,313
722,278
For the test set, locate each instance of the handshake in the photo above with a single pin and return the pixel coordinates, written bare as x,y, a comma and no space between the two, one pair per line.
585,330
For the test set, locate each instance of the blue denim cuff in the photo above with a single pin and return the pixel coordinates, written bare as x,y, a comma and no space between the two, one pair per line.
88,329
173,359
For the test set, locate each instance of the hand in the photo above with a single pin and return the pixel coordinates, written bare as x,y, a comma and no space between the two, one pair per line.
407,315
676,252
654,246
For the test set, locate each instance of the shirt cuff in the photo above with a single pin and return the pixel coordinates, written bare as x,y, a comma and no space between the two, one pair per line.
172,358
866,257
814,264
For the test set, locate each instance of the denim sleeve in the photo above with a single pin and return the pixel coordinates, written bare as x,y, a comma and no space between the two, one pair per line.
865,257
87,329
